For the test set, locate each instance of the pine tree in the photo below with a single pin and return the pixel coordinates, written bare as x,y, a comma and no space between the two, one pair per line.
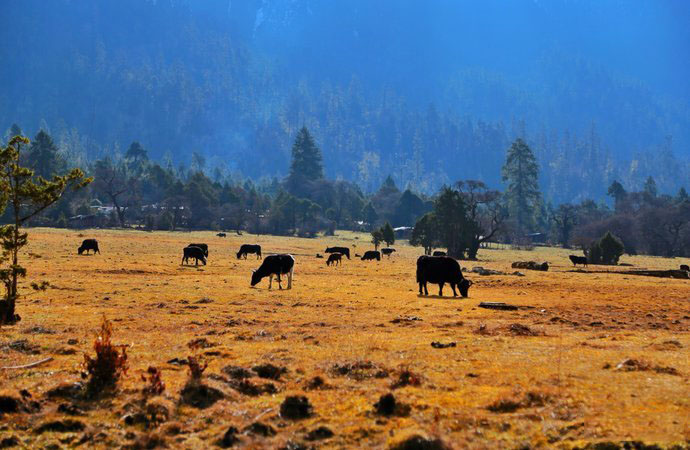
369,214
43,156
617,191
521,172
376,238
425,233
306,162
388,234
27,196
650,187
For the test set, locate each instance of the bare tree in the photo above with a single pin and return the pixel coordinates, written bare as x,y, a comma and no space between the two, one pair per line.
485,210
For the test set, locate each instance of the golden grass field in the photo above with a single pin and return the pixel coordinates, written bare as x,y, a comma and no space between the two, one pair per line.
495,389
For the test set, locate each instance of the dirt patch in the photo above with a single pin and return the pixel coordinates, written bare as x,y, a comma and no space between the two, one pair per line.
418,442
359,370
61,426
319,434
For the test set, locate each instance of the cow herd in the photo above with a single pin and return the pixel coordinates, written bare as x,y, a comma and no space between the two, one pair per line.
437,269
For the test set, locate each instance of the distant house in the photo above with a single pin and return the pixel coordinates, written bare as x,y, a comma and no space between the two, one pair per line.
86,221
403,232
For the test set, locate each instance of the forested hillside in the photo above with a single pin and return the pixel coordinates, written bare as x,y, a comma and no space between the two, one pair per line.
426,93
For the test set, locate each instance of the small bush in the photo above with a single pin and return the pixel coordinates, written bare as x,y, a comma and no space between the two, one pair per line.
606,250
154,382
196,367
109,364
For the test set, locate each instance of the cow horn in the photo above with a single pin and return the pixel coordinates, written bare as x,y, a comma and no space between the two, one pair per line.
253,270
470,281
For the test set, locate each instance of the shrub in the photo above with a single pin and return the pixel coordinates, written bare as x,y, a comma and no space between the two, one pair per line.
606,250
109,364
154,382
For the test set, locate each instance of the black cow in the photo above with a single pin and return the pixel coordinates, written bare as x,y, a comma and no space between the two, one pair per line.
387,251
249,248
203,247
221,235
193,252
275,265
371,254
88,244
685,267
342,250
578,260
439,253
335,258
440,270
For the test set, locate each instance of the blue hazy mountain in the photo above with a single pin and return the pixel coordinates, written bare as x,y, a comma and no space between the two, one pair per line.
427,91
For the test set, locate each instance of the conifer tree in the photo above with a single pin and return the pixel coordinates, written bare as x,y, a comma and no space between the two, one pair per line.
306,162
27,195
521,173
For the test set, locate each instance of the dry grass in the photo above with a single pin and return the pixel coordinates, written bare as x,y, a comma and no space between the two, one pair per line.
495,388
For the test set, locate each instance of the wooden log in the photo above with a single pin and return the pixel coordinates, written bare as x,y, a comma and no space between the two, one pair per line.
498,305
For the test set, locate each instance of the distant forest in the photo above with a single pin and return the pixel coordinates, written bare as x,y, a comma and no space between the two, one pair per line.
230,84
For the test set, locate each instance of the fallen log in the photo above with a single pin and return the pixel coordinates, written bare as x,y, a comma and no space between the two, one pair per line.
30,365
680,274
498,305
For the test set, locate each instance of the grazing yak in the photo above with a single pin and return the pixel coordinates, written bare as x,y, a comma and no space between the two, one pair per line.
249,248
440,270
685,267
89,244
221,235
439,253
578,260
193,252
335,258
203,247
387,251
371,254
342,250
275,265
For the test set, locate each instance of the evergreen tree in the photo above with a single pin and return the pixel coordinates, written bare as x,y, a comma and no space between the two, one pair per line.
521,172
27,195
408,209
617,191
369,214
306,162
388,234
136,152
43,156
650,187
425,233
377,238
683,195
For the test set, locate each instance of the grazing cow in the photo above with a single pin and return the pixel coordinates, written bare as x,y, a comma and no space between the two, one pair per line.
221,235
193,252
335,258
342,250
275,265
203,247
578,260
387,251
685,267
89,244
440,270
371,254
439,253
249,248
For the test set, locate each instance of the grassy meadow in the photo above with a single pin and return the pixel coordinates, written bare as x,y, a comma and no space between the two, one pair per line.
592,356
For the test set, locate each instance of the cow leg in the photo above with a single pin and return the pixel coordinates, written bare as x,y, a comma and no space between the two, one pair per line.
290,273
270,281
452,285
440,289
280,286
426,291
420,288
